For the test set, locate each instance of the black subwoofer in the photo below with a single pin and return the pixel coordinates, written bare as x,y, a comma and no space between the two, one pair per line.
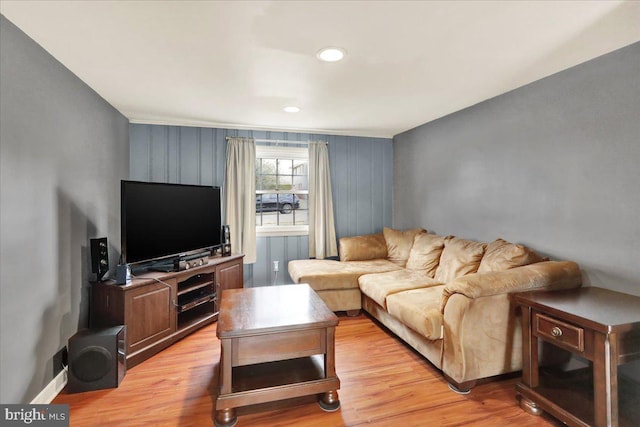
97,359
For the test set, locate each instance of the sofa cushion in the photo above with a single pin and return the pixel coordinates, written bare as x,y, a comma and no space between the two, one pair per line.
419,309
323,274
399,244
362,248
379,286
502,255
425,253
459,258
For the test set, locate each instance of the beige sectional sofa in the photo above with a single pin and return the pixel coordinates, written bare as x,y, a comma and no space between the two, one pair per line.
445,296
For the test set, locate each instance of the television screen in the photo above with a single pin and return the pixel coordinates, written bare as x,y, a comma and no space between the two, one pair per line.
162,220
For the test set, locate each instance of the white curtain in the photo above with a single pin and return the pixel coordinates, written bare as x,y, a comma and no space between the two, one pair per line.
240,196
322,231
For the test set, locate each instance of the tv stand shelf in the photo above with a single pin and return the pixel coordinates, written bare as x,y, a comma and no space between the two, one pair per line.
159,308
197,282
195,302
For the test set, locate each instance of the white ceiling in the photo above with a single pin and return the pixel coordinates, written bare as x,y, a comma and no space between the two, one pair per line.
236,64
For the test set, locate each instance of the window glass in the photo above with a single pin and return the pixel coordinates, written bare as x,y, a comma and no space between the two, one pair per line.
282,189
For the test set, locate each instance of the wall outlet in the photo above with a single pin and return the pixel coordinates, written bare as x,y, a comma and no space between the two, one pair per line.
276,266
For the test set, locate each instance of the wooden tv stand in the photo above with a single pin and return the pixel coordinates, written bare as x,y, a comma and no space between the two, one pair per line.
161,308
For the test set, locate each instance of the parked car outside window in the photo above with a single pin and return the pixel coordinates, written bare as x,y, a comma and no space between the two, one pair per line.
283,203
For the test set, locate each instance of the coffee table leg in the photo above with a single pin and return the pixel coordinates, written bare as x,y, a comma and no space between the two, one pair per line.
226,418
329,401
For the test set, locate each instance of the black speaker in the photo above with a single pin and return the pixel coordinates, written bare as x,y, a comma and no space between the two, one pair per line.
226,240
99,257
97,359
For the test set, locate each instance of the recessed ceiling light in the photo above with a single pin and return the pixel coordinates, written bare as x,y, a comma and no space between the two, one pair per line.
331,54
291,109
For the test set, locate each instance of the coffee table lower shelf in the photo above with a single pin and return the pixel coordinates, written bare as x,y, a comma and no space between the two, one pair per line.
272,381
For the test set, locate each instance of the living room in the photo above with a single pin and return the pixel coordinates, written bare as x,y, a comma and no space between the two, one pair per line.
550,163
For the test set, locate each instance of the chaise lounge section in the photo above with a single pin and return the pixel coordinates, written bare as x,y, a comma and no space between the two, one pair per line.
447,297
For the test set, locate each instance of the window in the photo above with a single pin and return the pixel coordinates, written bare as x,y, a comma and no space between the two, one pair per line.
282,191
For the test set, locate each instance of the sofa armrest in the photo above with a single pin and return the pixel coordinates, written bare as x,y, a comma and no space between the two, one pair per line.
363,248
482,325
541,275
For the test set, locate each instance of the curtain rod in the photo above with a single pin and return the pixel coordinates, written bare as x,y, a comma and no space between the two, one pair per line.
276,141
281,141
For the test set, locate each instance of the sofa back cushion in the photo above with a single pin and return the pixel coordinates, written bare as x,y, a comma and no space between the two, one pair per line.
502,255
459,258
425,253
399,244
363,248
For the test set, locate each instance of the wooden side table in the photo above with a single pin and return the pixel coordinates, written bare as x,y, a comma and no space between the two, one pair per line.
599,325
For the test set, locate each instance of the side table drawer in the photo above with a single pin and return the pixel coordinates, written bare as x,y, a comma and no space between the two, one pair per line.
560,333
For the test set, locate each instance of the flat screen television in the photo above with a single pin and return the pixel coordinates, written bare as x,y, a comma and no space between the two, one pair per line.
161,221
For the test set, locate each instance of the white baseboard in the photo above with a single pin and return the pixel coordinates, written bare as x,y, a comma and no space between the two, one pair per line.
52,389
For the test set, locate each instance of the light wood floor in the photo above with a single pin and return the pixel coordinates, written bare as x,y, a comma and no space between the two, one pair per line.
383,383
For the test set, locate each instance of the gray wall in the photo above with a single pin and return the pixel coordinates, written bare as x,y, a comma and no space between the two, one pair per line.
63,151
361,169
554,165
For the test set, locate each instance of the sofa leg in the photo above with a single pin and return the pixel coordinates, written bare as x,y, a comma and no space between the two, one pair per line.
353,313
461,388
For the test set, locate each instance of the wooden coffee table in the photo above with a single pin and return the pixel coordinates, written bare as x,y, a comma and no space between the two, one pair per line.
277,343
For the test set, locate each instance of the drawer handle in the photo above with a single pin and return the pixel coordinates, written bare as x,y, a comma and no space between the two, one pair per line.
556,332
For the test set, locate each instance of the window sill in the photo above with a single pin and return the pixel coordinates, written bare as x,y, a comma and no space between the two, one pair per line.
282,230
